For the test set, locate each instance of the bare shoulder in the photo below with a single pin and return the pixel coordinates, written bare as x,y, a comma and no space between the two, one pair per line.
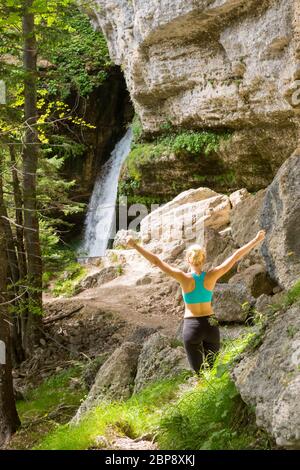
210,278
184,278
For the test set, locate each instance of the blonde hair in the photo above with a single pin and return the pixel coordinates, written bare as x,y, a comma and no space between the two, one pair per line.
195,255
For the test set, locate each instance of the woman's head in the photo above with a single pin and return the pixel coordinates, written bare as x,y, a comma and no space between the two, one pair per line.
195,255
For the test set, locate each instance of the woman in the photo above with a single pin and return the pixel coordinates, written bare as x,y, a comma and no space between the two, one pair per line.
200,337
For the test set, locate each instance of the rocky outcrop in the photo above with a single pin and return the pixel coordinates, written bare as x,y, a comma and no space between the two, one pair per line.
221,64
232,303
256,280
238,196
245,218
159,359
115,378
280,217
185,219
218,247
132,367
121,236
101,277
269,378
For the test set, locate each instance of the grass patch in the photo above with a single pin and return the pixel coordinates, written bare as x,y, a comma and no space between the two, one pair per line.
293,294
51,403
135,416
210,415
288,299
52,393
67,281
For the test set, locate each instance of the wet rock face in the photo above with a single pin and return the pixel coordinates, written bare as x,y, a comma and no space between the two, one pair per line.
269,378
280,217
220,64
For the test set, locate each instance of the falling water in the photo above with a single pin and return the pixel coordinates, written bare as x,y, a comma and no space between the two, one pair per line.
101,209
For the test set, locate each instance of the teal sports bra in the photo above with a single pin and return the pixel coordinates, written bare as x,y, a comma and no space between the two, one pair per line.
200,294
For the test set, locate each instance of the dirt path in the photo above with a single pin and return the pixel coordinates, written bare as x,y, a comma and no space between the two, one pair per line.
150,305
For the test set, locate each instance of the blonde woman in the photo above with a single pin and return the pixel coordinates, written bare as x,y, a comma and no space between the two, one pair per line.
201,338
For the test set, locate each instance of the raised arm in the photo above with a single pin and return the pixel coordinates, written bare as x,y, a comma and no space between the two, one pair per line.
223,268
154,259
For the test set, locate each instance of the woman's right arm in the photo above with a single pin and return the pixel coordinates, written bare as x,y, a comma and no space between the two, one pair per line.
223,268
175,273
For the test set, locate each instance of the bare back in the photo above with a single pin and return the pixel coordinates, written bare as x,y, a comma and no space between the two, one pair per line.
200,309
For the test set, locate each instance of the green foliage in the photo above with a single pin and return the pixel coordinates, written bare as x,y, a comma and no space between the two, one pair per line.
288,299
293,294
212,416
193,142
292,330
67,280
128,186
120,270
209,415
179,142
47,405
139,414
137,129
53,198
52,393
80,56
261,321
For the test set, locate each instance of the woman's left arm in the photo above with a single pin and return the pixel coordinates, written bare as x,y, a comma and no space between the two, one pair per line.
223,268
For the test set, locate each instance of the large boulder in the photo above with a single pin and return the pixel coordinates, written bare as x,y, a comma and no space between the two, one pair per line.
245,223
186,197
186,221
218,247
256,279
237,196
268,378
232,303
98,278
115,378
160,358
245,218
120,238
280,218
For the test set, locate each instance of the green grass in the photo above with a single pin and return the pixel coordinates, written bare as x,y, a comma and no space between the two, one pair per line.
293,294
288,299
139,414
210,415
48,405
52,393
66,286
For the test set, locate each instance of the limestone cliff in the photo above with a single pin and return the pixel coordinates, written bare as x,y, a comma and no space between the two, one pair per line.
212,65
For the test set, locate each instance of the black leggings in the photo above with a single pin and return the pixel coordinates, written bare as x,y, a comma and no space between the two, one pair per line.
201,341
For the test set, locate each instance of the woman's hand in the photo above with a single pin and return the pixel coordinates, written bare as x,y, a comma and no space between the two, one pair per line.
130,242
260,236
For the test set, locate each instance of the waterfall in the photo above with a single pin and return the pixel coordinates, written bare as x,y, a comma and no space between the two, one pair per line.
101,209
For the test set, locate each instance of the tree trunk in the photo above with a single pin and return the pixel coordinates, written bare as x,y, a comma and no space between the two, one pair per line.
9,238
19,214
21,315
30,161
9,420
16,335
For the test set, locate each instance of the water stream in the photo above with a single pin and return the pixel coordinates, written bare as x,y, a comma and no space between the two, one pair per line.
101,210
